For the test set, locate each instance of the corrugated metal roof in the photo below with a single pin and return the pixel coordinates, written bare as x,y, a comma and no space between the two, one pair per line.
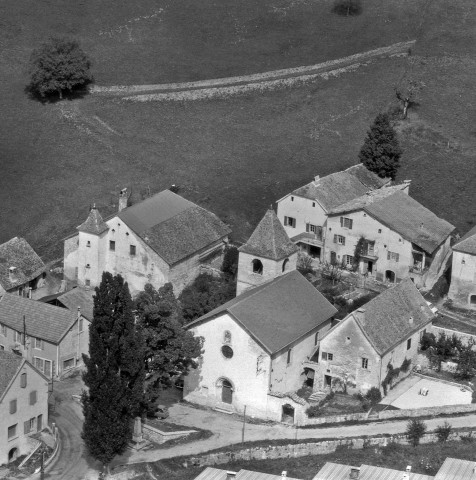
278,312
336,471
211,473
333,471
250,475
456,469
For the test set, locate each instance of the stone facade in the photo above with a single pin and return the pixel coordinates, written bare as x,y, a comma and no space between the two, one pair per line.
30,414
463,280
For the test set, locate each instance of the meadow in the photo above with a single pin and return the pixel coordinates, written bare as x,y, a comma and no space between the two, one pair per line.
235,155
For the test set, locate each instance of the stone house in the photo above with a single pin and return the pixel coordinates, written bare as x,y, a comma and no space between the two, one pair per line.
21,270
52,338
304,211
267,254
463,272
400,238
384,331
23,405
255,346
164,238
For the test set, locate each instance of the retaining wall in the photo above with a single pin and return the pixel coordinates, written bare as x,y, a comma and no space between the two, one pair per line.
314,448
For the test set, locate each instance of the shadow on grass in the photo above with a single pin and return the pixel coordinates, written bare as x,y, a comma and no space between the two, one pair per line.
74,94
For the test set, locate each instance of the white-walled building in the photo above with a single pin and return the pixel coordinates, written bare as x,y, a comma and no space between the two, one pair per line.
255,346
400,238
304,211
267,254
463,272
164,238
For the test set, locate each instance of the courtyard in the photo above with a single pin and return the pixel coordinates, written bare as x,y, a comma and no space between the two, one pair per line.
406,395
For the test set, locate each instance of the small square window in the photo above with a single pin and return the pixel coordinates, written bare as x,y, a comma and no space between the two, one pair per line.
379,230
39,344
365,363
88,243
12,431
330,356
292,199
290,222
112,245
132,249
88,283
409,344
33,397
313,204
13,406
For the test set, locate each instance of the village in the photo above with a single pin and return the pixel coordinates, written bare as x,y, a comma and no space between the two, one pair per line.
339,313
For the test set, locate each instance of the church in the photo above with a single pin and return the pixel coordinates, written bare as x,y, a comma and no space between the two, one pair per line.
256,344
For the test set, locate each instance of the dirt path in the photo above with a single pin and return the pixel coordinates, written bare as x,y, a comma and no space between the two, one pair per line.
260,81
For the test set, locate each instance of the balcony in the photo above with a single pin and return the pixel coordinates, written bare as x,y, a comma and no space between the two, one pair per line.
371,253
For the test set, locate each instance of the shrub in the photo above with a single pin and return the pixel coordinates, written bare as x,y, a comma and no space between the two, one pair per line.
416,428
443,432
230,261
313,411
304,264
373,396
405,365
427,340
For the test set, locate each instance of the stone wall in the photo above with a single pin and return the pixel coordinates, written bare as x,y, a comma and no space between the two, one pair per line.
314,448
158,436
430,411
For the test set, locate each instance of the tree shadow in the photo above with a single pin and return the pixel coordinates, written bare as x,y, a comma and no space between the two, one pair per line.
74,94
347,8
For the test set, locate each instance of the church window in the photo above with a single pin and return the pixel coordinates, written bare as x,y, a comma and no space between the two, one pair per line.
257,266
227,337
227,351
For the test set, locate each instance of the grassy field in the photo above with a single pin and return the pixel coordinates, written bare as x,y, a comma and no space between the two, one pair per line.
234,156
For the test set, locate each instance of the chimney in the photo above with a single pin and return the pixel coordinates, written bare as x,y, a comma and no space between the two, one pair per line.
230,475
123,198
12,273
406,474
354,473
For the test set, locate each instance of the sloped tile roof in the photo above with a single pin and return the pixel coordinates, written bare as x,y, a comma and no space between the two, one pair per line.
18,253
94,223
385,320
366,177
333,190
278,312
467,243
411,220
456,469
78,297
43,321
269,239
10,363
174,227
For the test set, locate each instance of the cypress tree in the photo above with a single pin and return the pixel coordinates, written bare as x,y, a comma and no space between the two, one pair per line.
381,151
115,371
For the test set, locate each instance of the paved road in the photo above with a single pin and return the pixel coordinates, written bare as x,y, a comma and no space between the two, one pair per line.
72,462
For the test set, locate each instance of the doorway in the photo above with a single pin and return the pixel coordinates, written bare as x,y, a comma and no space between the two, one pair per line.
390,276
226,392
327,381
370,267
288,414
12,455
315,252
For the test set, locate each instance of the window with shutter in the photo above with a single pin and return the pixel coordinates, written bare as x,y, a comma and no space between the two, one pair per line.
307,227
23,380
33,397
26,427
13,406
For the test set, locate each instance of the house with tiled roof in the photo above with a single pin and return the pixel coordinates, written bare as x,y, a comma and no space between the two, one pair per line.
164,238
52,338
267,254
304,211
77,300
463,272
384,331
23,405
255,345
388,235
21,269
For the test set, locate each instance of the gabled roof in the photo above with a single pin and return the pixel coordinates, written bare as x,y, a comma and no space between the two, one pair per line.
172,226
211,473
467,243
456,469
18,253
94,223
332,190
391,317
78,297
278,312
269,239
337,471
10,364
42,320
404,215
366,177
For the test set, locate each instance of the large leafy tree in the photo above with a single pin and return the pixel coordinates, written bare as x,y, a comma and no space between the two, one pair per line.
58,65
381,151
115,371
169,349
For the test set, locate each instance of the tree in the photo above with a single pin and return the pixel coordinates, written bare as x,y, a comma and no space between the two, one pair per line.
58,65
230,261
443,431
407,93
416,428
466,361
381,152
170,350
204,294
115,371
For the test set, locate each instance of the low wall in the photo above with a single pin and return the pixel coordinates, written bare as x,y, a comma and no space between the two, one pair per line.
158,436
314,448
350,417
428,412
